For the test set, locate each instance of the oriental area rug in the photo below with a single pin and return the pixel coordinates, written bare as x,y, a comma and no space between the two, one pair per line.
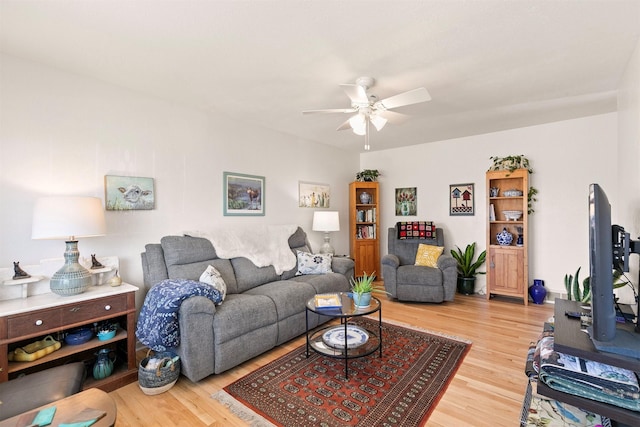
399,389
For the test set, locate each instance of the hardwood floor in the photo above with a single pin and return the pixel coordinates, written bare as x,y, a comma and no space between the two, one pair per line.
487,390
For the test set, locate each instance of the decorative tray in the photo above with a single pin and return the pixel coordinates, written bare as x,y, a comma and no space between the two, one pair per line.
356,336
35,350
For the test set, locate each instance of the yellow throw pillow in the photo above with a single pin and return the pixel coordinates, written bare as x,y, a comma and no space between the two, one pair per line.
428,255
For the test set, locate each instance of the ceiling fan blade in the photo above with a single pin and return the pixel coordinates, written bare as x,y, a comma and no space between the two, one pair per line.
330,110
393,117
357,94
346,125
407,98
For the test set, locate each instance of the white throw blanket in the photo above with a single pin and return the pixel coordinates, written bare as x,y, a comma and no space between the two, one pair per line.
263,245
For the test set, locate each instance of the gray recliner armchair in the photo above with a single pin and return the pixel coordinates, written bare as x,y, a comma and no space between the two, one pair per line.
408,282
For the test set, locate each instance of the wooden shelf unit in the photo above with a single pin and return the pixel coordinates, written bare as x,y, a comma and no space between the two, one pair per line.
26,320
507,266
364,230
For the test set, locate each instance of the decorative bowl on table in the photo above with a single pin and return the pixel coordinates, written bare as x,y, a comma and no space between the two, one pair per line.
512,215
512,193
78,336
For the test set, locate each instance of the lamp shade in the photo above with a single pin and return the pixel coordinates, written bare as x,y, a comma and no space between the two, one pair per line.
326,221
68,218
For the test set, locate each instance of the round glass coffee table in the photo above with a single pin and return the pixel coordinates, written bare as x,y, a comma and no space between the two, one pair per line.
346,340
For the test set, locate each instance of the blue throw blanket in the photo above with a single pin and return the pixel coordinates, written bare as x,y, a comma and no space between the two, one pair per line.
158,326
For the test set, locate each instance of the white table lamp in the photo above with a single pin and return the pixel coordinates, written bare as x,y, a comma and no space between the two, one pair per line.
69,218
326,221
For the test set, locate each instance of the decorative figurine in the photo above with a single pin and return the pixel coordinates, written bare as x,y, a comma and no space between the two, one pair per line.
19,273
95,263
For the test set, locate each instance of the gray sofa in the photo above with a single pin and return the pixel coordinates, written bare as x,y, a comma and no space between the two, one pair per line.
408,282
261,310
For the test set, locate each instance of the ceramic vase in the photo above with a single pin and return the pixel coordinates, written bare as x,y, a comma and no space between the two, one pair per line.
365,198
537,291
504,238
520,240
104,364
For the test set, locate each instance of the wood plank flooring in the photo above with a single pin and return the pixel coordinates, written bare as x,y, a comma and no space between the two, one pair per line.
487,390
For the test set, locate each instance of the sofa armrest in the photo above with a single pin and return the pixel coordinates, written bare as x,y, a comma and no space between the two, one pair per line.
447,261
390,260
449,267
196,348
342,265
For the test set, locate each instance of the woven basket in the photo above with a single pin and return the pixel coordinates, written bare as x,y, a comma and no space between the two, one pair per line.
163,377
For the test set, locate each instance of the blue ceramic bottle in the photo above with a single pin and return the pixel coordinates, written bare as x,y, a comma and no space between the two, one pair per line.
537,291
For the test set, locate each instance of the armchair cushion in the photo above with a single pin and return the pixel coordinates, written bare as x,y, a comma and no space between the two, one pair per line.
428,255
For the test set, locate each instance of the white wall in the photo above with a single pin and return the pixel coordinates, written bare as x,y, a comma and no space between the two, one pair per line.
61,134
566,157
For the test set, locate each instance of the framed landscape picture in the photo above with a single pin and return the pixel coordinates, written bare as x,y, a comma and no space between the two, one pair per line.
313,195
243,194
123,193
461,199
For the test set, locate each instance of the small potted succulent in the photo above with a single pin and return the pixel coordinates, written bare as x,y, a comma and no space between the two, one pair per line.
363,287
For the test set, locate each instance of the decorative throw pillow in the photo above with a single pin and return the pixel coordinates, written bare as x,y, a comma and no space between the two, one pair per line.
211,276
427,255
313,263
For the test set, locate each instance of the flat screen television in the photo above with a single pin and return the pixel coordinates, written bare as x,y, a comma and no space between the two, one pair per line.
609,248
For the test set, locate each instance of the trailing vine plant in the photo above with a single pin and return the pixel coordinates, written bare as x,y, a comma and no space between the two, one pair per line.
511,163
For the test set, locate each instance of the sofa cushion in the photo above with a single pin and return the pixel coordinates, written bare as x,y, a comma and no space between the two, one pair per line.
309,263
241,314
427,255
188,257
325,283
289,297
248,275
418,275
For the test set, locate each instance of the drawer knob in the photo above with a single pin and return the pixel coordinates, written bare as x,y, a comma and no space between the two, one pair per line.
39,322
107,307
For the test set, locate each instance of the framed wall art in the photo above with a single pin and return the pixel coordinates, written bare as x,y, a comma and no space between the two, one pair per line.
243,194
313,195
461,199
123,193
407,201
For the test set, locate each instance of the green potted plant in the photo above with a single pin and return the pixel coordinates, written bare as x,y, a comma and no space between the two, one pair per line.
468,267
576,293
368,175
363,287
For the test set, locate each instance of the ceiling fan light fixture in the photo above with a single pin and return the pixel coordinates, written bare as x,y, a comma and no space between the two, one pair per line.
358,124
378,121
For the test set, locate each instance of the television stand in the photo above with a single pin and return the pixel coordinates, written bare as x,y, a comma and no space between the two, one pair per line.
569,339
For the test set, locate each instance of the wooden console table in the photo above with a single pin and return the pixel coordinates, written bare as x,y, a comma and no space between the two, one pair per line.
23,321
569,339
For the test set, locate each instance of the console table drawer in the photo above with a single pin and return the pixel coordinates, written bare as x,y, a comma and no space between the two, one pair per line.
89,310
33,323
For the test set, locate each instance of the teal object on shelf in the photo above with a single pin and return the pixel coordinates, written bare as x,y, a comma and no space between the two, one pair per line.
104,364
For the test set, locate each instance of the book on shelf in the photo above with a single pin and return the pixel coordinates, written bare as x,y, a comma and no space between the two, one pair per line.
328,301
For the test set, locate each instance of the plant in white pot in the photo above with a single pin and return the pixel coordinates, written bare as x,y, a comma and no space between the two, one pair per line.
468,267
363,287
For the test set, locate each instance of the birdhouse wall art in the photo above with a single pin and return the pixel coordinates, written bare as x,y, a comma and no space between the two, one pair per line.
461,199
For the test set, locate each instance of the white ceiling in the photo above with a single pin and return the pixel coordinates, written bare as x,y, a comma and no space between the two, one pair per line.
488,64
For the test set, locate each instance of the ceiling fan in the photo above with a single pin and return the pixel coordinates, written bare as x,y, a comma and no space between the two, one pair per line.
367,108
